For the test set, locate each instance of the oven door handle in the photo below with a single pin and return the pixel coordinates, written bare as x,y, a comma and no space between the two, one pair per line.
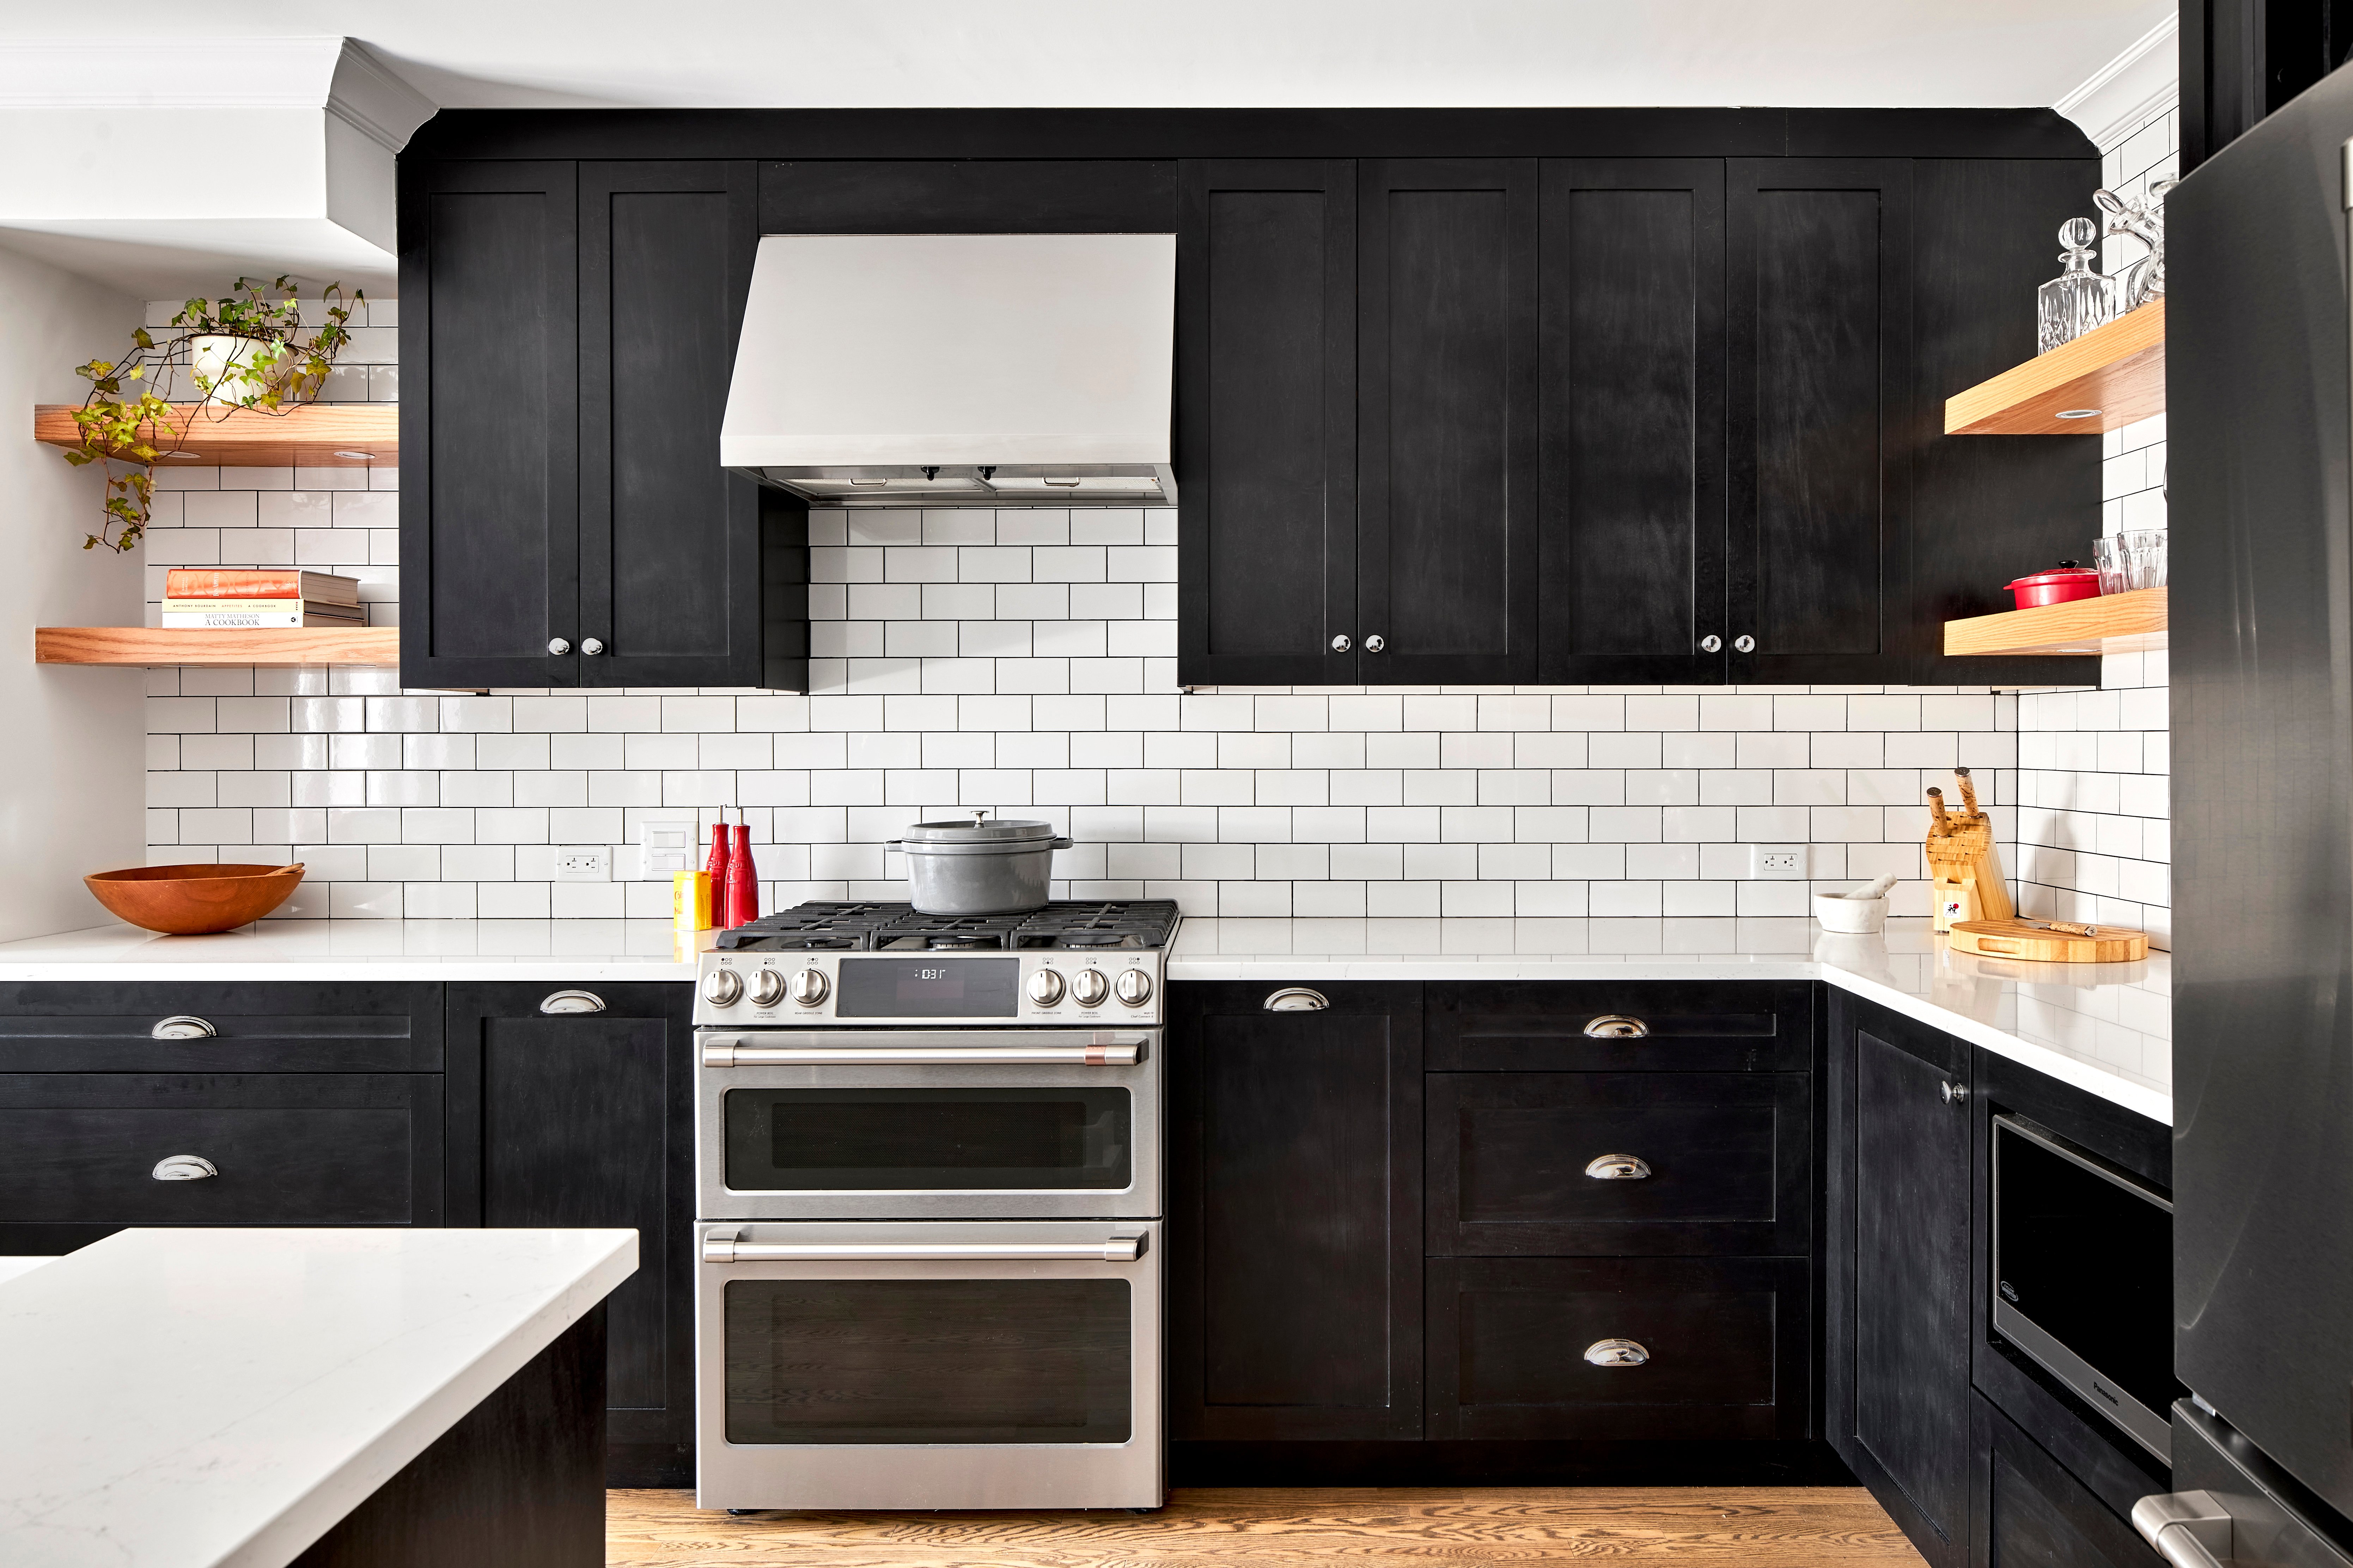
1123,1054
723,1248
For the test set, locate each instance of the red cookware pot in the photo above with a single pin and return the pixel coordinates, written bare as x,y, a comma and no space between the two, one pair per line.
2066,581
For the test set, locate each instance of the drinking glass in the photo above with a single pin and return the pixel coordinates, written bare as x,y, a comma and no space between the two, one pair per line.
2143,550
2115,569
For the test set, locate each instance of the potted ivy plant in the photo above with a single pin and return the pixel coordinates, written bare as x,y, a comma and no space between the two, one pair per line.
246,350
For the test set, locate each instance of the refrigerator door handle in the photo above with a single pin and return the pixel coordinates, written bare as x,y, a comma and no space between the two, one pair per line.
2190,1530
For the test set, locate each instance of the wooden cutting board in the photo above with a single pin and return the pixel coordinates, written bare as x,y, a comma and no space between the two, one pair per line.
2053,942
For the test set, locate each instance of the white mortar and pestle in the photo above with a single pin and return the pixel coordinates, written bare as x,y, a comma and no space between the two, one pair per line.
1858,913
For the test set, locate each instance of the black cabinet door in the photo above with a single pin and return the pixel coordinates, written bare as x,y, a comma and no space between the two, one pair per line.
1820,268
1631,374
669,542
1897,1389
2027,1511
586,1120
1296,1212
1446,409
1266,422
489,424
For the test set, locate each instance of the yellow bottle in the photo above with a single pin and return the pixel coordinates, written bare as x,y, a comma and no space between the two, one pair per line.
689,900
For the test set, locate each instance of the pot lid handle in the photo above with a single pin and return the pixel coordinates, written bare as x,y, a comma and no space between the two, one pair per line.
980,817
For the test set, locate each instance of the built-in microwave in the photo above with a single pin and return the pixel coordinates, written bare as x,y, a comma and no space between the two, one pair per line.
2083,1276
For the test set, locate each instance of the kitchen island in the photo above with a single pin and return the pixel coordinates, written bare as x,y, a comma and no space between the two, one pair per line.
248,1398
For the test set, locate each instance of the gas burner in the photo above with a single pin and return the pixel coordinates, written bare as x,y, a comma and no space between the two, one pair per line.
951,940
1097,939
813,927
1143,922
899,928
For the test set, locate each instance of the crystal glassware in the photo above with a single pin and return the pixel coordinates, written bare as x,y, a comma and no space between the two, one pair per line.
2115,569
2145,551
2080,297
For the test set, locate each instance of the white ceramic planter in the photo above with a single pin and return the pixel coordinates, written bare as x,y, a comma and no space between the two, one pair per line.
235,370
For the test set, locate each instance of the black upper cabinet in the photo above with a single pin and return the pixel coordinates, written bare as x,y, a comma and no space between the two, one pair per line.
1266,422
968,195
1446,406
565,488
1820,339
1630,378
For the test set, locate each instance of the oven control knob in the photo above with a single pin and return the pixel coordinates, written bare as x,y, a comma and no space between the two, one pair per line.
809,987
1133,987
722,987
767,988
1045,988
1088,987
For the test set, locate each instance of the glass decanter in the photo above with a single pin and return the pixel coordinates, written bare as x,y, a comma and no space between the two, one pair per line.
2080,297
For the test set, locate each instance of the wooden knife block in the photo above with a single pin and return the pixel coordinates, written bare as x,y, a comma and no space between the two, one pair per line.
1965,870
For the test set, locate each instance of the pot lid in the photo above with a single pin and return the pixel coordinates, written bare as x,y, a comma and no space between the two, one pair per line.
2065,572
981,829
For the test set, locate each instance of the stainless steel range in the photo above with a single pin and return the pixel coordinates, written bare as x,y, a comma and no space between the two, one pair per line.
928,1157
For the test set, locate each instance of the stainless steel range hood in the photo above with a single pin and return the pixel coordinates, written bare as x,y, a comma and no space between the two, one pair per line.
940,370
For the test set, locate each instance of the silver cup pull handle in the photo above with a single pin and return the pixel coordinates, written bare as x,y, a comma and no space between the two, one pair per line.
1619,1168
572,1002
183,1026
1296,999
1616,1353
1617,1027
184,1168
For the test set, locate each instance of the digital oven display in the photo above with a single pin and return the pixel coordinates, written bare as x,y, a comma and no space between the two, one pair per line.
930,988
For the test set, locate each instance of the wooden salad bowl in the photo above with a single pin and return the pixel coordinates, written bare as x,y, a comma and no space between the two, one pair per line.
192,901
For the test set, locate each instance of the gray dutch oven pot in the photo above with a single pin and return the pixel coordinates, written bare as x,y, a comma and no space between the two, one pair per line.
979,868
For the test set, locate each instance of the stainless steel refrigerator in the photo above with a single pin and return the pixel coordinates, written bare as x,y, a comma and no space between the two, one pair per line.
2260,426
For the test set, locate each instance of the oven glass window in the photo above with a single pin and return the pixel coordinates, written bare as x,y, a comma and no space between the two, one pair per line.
928,1140
928,1360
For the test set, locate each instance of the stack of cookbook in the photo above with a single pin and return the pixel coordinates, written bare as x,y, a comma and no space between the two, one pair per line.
269,596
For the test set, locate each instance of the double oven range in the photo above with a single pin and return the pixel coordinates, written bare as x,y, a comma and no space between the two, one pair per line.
928,1177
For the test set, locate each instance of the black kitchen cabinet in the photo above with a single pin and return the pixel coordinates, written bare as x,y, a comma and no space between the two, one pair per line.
1622,1026
1897,1385
1631,374
569,339
1295,1211
586,1118
1266,422
2027,1511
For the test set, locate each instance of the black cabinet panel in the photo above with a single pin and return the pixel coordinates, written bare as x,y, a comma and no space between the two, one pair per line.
278,1025
1446,405
586,1120
670,543
969,195
79,1148
1729,1160
1266,448
1296,1210
1898,1342
1819,341
2027,1511
1541,1025
1631,374
489,423
1726,1341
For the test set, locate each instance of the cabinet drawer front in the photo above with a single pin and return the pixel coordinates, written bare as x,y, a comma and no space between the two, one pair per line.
1724,1341
255,1026
285,1149
1726,1163
1560,1026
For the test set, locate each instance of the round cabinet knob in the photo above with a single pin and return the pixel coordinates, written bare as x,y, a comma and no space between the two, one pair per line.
1711,644
767,988
1375,643
1045,988
1616,1353
558,645
1088,987
722,987
1341,643
809,987
1133,988
1744,643
592,647
1619,1168
1955,1093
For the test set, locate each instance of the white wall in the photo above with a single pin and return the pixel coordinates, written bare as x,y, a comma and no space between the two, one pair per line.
71,785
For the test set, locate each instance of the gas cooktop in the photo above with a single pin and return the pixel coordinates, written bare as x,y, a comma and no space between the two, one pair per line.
1129,925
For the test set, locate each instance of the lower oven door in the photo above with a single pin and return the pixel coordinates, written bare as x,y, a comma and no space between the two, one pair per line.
943,1365
928,1124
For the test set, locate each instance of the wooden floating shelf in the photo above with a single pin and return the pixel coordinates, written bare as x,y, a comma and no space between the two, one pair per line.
2118,369
263,645
2112,623
306,435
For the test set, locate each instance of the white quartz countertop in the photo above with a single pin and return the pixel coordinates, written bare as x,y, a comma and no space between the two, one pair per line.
199,1397
2104,1027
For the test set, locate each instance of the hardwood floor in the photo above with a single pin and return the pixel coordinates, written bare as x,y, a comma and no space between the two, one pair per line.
1699,1527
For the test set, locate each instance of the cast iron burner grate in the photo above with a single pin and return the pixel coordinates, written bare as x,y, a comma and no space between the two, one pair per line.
814,927
1143,922
898,928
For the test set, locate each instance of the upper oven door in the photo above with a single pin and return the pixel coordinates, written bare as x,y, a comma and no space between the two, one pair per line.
910,1124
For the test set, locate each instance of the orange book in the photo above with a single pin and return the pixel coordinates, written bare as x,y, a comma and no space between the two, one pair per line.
268,583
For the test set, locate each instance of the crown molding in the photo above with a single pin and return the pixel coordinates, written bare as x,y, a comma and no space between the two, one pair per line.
327,72
372,99
2123,94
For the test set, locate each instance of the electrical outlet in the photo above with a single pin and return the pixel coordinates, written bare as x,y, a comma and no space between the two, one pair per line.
1776,862
583,863
666,845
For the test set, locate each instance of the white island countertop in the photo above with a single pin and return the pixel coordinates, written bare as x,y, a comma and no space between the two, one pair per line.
208,1398
2104,1028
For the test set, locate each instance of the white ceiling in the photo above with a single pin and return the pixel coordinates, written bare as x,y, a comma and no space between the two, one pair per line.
1196,53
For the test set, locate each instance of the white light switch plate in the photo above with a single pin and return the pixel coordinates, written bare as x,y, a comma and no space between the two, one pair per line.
666,845
1776,862
583,863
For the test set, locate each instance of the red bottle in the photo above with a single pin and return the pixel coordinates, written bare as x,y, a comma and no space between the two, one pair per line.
742,882
717,867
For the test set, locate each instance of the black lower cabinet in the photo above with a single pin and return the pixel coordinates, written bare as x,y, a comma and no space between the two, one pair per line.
586,1118
2027,1510
1294,1213
1897,1372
